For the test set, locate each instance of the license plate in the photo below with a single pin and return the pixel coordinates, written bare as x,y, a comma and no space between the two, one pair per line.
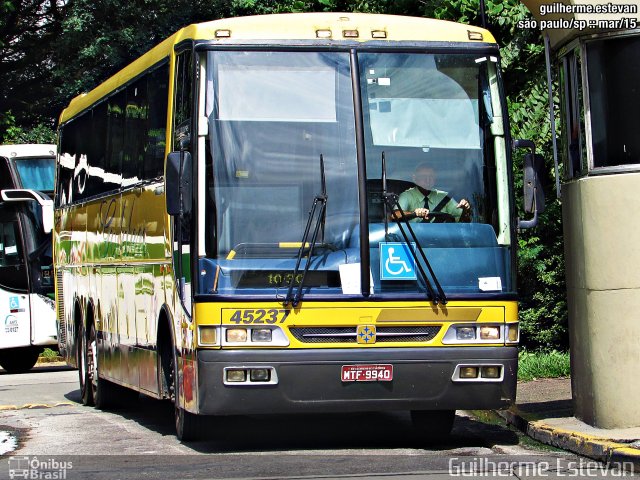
367,373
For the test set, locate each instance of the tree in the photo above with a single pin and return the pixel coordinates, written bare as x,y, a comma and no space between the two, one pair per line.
27,31
53,51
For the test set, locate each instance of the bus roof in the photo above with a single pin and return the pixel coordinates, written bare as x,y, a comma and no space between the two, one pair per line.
27,150
289,27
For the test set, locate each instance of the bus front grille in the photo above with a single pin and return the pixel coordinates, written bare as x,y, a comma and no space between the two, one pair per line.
349,334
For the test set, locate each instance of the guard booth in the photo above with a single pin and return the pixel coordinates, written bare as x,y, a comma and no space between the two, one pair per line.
595,59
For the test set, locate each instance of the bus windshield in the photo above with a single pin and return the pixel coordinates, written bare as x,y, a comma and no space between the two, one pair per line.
273,115
432,118
36,173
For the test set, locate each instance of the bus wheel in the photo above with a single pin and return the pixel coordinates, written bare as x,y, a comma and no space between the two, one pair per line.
83,369
104,393
19,360
433,424
189,427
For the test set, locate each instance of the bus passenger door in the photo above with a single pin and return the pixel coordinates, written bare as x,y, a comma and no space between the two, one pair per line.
183,141
15,322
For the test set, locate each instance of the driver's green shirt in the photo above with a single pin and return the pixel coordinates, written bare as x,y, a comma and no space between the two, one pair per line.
413,198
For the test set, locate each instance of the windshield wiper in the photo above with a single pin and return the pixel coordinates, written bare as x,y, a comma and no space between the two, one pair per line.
319,206
392,204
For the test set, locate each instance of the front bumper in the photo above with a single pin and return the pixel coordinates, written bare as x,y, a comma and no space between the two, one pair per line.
309,381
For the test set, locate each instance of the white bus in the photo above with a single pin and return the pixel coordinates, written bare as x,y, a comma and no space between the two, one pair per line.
27,313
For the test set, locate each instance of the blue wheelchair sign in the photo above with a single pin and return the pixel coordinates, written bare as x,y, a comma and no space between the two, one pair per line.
14,303
397,261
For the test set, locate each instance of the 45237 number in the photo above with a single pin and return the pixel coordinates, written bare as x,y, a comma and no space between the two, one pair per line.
259,316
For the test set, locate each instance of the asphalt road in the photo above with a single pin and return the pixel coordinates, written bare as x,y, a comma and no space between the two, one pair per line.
40,412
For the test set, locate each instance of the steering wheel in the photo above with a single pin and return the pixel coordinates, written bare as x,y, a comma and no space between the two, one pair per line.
441,217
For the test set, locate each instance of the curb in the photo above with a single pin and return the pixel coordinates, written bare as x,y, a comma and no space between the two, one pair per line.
597,448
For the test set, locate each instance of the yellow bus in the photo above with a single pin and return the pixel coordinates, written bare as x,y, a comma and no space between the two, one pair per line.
228,231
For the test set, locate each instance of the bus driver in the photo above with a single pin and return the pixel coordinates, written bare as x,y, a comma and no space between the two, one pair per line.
423,203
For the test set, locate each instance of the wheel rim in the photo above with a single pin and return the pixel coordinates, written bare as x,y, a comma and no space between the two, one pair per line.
92,361
82,367
173,395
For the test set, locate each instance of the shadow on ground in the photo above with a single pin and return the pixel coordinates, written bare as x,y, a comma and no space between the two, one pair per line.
381,430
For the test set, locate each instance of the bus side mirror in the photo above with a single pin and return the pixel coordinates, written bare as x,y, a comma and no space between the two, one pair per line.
178,183
533,193
25,195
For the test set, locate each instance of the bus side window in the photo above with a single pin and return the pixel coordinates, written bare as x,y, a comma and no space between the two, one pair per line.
157,91
5,174
9,250
183,97
136,117
115,139
13,274
181,141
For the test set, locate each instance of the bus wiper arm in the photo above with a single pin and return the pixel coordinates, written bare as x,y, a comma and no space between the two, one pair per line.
317,215
392,204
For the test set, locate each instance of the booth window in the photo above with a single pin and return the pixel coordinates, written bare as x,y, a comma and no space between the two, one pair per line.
613,65
574,151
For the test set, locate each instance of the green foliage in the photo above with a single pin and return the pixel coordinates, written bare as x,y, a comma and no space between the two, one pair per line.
48,353
264,7
541,284
27,31
40,133
551,364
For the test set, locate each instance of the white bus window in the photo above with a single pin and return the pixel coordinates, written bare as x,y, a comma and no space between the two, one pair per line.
10,254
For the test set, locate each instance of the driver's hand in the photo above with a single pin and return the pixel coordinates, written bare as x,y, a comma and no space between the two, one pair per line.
466,210
464,204
421,212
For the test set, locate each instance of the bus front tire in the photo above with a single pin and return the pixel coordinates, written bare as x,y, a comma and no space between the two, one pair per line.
19,360
189,427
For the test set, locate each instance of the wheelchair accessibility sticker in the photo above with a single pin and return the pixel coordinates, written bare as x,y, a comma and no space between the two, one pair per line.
397,261
14,305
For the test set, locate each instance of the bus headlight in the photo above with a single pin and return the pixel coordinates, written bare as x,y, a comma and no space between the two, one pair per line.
489,333
261,335
478,373
466,333
513,333
236,375
250,376
207,335
478,333
272,336
491,371
260,374
236,335
468,372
